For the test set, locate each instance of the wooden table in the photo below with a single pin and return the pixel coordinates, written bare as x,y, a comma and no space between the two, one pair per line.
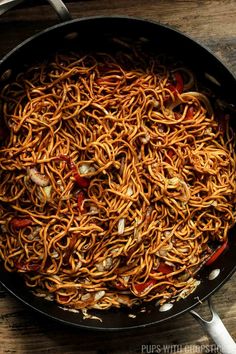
213,23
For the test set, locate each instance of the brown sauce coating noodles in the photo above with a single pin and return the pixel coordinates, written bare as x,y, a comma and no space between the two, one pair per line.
116,180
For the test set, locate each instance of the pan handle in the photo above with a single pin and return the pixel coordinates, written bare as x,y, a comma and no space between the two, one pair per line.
217,331
6,5
58,5
60,9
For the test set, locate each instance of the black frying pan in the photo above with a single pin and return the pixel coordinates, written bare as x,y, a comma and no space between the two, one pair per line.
97,32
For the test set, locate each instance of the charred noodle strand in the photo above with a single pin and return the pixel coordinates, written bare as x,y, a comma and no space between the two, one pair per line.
138,177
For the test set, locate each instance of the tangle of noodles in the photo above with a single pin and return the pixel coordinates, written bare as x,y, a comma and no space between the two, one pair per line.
117,180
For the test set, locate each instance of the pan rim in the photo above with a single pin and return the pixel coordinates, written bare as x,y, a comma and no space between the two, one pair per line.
118,17
200,45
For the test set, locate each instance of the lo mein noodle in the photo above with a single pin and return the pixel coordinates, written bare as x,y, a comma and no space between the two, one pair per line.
117,180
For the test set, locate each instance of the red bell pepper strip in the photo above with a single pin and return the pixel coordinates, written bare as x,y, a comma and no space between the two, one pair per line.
189,114
165,268
217,253
27,267
179,84
20,223
63,298
82,181
140,288
64,158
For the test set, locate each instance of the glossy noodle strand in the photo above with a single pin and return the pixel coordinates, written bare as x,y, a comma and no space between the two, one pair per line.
117,180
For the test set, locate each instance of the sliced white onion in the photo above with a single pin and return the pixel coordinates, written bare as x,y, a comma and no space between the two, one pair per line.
174,181
69,309
184,277
47,191
162,252
143,309
85,297
86,168
212,79
145,139
126,279
38,178
166,307
155,103
49,297
108,263
104,265
161,127
170,263
99,294
193,259
114,251
5,76
124,299
59,183
55,254
93,210
184,250
180,185
185,292
214,274
208,131
129,191
3,228
78,265
39,293
192,223
199,96
121,226
83,169
88,316
131,315
100,267
122,164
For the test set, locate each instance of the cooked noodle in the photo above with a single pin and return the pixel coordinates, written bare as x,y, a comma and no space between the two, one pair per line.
117,184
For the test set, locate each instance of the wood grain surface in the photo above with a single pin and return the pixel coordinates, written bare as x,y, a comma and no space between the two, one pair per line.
212,23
